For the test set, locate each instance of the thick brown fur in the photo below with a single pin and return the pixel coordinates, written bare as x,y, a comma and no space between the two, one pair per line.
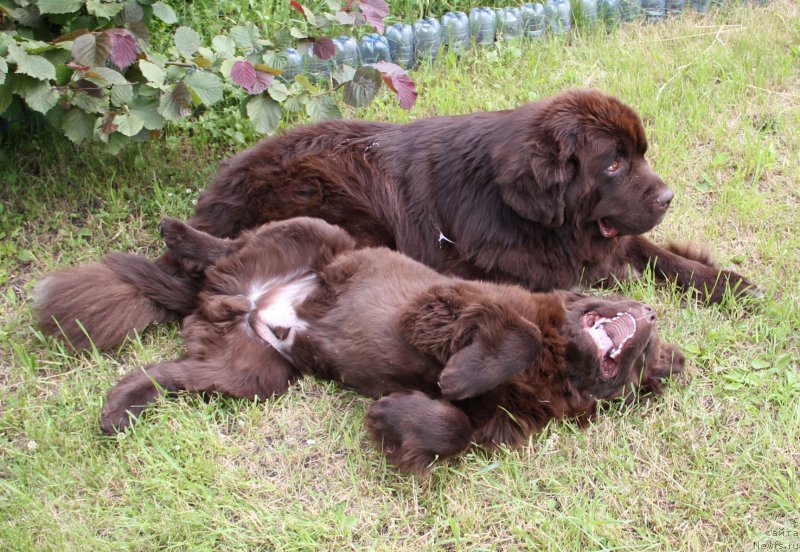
520,196
450,362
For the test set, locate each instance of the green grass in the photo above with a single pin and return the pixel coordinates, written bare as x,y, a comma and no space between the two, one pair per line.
713,464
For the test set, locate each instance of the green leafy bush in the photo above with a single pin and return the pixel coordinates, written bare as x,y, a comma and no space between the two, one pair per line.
88,67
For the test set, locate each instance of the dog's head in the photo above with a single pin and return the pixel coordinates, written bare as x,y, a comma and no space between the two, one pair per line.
613,349
580,161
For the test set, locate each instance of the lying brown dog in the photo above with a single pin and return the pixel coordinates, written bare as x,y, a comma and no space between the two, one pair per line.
450,362
550,195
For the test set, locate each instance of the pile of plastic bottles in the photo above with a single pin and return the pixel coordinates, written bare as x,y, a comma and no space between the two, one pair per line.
426,38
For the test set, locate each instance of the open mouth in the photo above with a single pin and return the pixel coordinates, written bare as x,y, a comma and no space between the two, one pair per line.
610,336
607,229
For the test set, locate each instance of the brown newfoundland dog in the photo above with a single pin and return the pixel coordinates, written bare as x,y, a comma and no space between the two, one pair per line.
451,362
548,196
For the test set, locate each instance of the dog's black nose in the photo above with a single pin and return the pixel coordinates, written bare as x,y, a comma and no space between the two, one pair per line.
665,198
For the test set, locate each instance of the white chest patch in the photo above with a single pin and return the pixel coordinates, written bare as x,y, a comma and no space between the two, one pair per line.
275,303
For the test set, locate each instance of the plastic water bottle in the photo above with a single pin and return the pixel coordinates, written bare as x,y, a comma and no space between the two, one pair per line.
509,23
455,31
703,6
318,69
295,64
533,22
374,48
401,44
610,11
427,38
674,7
346,51
654,10
631,9
559,16
482,25
588,11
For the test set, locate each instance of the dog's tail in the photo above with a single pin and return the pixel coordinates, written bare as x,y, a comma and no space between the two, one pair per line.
105,302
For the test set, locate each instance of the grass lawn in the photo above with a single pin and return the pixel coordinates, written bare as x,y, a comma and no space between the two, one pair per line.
712,464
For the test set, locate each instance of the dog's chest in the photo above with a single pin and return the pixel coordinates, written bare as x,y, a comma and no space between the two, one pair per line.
275,302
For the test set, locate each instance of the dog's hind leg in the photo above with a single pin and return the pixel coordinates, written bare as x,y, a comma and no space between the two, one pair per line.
251,378
413,429
481,343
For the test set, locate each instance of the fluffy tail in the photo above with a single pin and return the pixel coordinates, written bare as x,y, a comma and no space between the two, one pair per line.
103,303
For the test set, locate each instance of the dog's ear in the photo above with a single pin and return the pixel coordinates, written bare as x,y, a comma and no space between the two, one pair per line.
533,174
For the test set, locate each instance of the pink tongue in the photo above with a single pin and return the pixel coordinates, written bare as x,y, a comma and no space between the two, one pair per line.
607,230
601,339
620,328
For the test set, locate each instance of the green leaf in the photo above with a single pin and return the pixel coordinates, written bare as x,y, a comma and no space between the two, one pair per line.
759,364
176,103
146,109
132,12
165,13
129,125
343,73
264,112
207,86
305,82
323,108
223,45
33,66
77,125
106,10
104,76
89,103
90,50
278,91
115,143
245,36
42,97
296,104
297,33
3,70
187,40
121,94
6,94
59,6
360,91
152,72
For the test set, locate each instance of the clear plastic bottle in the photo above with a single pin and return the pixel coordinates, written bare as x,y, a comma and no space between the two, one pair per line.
401,44
586,10
346,51
427,38
374,48
559,16
533,21
483,25
654,10
610,11
318,69
295,64
455,31
631,9
509,23
674,7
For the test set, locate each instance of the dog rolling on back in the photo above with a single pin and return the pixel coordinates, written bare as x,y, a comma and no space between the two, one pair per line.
449,362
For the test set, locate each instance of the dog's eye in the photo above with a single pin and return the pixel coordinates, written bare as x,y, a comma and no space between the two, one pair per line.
613,167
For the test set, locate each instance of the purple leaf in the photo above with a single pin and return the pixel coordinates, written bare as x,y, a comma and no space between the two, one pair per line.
245,75
374,11
401,84
123,52
324,48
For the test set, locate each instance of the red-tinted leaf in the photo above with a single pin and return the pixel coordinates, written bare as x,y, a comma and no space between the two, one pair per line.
78,66
324,48
263,81
401,84
299,7
349,5
108,125
255,82
374,11
123,53
244,74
